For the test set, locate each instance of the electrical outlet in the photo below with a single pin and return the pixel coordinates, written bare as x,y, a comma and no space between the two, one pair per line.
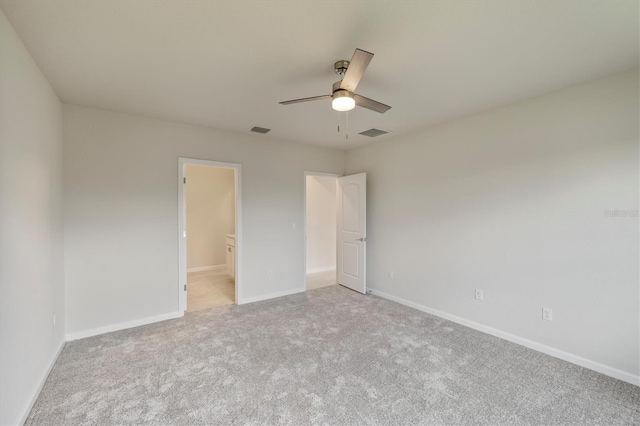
547,314
390,274
270,274
479,294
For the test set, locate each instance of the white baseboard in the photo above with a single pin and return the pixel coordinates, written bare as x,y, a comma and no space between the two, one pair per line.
316,270
43,379
271,296
122,326
566,356
207,268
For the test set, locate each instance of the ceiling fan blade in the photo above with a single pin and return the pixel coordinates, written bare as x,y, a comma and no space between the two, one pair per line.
358,64
297,101
371,104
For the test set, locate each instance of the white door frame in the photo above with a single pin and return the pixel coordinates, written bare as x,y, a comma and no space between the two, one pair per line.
182,217
304,219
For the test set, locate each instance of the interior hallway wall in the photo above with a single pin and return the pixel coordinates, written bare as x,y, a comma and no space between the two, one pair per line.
31,266
121,212
321,223
521,202
210,194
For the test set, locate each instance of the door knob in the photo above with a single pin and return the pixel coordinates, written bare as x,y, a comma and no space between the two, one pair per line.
363,239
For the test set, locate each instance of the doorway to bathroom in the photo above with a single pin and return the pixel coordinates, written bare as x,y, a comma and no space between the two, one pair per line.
209,235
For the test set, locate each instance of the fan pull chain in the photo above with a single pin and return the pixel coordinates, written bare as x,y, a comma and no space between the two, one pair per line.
347,120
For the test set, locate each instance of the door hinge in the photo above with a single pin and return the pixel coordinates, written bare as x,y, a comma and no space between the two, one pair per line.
184,180
185,287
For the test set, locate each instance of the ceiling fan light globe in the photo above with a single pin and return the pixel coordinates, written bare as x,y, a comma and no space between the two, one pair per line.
343,103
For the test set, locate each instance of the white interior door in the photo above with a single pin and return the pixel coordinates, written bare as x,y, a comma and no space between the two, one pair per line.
352,236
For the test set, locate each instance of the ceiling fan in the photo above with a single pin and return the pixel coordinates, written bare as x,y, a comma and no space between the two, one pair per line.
343,98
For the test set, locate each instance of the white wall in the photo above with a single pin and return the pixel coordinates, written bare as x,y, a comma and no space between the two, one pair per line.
513,201
31,268
210,194
321,223
121,211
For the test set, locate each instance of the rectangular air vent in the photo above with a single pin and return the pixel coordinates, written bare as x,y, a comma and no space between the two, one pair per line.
372,133
262,130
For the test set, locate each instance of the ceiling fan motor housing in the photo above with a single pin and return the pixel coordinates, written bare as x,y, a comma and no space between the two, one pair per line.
342,99
339,92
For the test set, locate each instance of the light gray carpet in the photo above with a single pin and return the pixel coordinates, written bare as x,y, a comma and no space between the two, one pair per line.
328,356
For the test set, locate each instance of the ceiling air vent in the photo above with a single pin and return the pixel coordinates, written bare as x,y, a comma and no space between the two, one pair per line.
372,133
262,130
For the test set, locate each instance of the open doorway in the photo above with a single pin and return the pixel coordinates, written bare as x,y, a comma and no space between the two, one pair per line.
320,230
210,243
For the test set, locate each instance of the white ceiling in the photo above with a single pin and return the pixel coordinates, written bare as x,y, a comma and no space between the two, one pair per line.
226,64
